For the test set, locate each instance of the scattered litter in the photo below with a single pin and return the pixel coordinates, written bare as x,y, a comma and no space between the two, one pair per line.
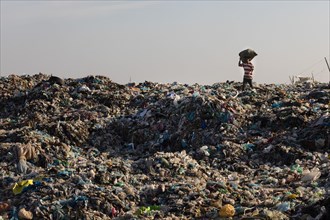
90,148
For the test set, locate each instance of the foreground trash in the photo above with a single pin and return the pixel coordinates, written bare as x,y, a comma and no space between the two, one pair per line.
91,148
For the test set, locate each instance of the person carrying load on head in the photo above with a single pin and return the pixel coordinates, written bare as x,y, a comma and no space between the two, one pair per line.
245,61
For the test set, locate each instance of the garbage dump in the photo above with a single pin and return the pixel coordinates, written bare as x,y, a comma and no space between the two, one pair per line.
90,148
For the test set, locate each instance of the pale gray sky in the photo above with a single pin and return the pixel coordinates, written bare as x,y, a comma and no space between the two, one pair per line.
165,41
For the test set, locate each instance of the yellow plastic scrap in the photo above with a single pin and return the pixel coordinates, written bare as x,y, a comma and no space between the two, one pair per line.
18,187
227,211
293,196
109,163
197,213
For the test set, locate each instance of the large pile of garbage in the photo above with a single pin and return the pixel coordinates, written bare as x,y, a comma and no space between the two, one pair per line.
90,148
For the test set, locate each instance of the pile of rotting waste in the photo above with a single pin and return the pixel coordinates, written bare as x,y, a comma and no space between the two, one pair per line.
90,148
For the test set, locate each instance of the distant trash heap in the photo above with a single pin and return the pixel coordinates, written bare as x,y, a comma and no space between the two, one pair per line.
90,148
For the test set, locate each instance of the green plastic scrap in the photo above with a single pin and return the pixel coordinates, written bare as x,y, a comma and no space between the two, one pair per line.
147,210
223,191
181,170
297,168
120,184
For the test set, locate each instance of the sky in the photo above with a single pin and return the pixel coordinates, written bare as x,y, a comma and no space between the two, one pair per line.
165,41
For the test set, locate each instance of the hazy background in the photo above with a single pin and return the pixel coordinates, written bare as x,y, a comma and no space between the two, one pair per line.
165,41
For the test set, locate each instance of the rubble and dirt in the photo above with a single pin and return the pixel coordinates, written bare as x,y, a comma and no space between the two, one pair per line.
91,148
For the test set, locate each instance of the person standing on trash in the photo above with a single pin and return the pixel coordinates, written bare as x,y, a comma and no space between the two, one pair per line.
248,71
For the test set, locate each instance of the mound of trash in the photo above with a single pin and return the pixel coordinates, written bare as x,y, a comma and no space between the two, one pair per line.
91,148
